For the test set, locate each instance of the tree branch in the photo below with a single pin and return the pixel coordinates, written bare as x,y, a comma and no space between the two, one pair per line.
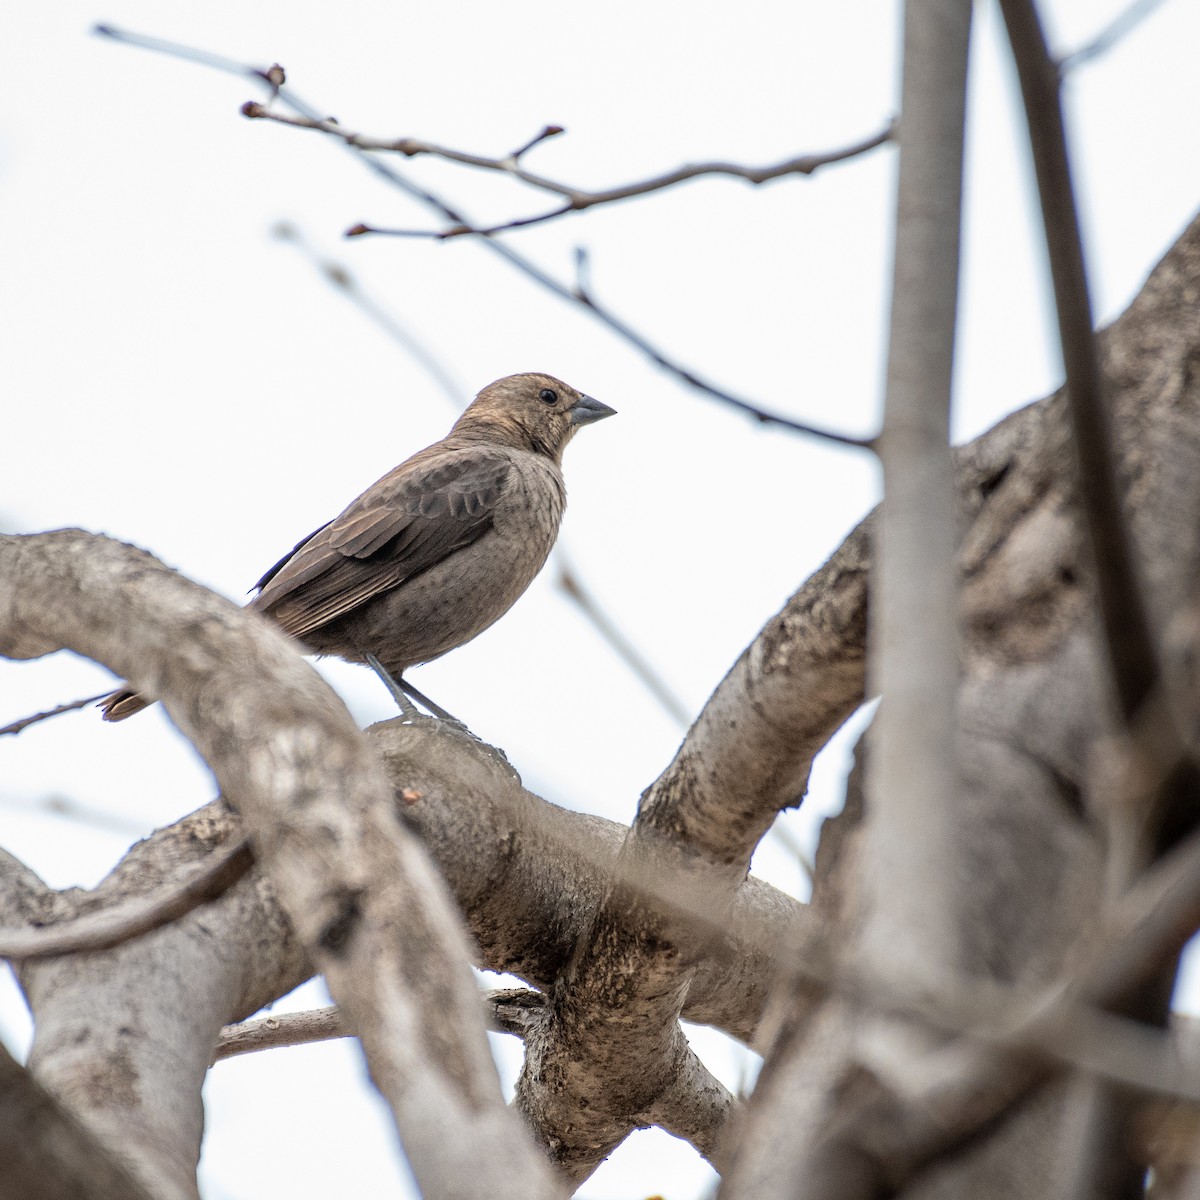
361,895
103,929
140,1096
45,1154
1032,716
286,1029
20,726
911,929
1122,607
1123,24
577,199
525,266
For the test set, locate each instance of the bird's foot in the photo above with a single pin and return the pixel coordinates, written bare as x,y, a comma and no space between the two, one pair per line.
435,709
405,694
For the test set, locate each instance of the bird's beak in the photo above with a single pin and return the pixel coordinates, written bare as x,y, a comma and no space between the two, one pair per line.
587,410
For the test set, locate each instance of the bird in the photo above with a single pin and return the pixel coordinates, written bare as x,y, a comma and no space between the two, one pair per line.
436,551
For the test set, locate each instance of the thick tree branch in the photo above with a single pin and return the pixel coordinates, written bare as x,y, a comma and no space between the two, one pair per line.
527,876
615,1046
361,895
1032,718
45,1154
141,1095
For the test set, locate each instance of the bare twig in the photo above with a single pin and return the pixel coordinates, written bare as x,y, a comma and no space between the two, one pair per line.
1123,24
110,926
525,266
284,1029
577,199
509,1010
569,584
24,723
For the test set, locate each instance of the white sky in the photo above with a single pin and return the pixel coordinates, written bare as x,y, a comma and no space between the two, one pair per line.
174,376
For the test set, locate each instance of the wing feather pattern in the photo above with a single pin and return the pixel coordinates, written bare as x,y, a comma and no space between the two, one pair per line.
415,517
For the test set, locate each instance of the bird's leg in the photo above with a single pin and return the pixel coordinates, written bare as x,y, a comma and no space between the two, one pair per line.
408,710
402,690
428,705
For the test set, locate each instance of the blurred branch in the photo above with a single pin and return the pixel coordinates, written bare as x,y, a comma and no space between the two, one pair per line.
884,1139
571,586
912,930
108,927
577,199
524,265
72,810
1122,607
1118,28
339,276
47,1154
1108,1165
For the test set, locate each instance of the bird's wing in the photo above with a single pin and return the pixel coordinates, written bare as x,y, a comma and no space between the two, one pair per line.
421,513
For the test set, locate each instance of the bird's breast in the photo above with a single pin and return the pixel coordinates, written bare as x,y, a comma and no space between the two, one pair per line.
468,591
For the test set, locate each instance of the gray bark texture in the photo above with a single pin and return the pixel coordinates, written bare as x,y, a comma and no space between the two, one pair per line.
1048,789
623,932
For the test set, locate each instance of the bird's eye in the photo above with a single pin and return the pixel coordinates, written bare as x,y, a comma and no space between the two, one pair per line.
548,396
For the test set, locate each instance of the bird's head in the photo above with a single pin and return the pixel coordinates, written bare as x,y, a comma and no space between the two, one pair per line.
533,412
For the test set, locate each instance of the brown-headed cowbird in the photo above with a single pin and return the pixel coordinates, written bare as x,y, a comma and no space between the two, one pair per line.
441,546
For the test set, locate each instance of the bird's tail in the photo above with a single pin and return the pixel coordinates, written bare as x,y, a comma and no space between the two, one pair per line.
118,705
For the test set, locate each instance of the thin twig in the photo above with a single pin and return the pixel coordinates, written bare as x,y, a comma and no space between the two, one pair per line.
577,199
509,1010
24,723
339,276
525,266
279,1030
569,584
68,809
109,927
1123,24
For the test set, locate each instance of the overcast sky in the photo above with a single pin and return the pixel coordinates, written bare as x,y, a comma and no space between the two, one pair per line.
177,377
